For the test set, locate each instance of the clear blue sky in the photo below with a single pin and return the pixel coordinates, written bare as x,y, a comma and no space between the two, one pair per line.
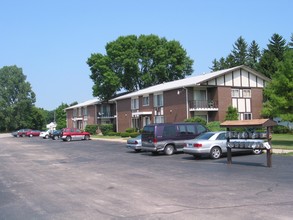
51,40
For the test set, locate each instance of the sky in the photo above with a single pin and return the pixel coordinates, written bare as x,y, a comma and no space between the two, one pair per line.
51,40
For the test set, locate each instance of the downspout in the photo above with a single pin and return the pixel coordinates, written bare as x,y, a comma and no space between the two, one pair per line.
186,101
116,119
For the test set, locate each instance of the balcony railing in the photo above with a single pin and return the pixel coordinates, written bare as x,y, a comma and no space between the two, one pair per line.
203,104
105,115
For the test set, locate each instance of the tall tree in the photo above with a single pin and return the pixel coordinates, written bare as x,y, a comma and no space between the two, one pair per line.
132,63
239,52
290,44
274,53
16,99
280,91
253,55
60,116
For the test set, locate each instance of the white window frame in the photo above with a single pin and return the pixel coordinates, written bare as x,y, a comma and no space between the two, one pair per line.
145,101
158,102
246,93
134,103
247,116
159,119
235,93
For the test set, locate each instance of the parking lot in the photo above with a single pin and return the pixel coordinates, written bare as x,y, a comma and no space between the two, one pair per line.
96,179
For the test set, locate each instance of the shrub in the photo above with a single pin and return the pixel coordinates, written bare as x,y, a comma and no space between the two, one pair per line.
130,130
112,133
92,129
125,134
215,126
133,134
106,128
196,119
280,129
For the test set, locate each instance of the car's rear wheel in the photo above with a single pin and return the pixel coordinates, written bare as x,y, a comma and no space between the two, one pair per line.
31,135
68,138
23,135
169,149
215,153
55,137
47,136
86,137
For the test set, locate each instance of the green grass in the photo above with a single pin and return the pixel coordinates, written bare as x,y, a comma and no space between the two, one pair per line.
282,141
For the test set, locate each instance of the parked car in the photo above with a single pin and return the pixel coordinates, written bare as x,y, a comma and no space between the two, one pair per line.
68,134
32,133
45,134
55,135
21,132
214,144
169,138
134,143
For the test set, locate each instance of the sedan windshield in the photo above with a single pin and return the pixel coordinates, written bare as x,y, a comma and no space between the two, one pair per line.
205,136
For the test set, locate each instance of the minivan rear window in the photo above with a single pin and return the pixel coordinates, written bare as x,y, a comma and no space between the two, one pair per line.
149,130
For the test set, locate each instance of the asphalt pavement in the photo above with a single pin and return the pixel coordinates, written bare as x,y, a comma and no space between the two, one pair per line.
98,179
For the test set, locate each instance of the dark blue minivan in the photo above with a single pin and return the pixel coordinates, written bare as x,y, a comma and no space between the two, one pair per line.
169,137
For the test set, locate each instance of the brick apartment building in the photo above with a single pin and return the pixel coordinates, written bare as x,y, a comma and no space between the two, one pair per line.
207,96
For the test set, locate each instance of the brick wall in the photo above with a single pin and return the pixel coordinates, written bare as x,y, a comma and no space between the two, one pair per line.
256,102
175,106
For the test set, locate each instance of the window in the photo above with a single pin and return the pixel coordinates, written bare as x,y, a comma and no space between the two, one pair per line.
169,131
74,112
145,101
159,119
247,116
247,93
222,136
158,100
200,129
235,92
84,110
182,129
190,129
134,103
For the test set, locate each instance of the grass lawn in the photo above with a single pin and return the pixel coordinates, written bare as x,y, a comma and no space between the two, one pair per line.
282,141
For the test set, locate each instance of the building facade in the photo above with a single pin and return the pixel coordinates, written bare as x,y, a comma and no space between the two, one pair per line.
89,113
207,96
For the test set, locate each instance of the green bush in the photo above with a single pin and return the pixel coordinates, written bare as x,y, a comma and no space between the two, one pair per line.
280,129
125,134
196,119
106,128
215,126
92,129
130,130
112,133
133,134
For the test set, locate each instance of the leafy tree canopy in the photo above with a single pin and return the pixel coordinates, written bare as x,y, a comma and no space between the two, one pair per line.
60,116
275,51
231,114
280,90
16,99
132,63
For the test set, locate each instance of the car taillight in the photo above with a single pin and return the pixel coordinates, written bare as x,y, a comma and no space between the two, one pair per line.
155,141
197,145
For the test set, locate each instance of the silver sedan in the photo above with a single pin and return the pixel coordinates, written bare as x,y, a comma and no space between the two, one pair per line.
134,143
212,144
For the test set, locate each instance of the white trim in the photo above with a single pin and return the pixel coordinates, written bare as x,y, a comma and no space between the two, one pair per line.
141,113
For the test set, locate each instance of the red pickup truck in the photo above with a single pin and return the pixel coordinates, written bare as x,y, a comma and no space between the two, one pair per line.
68,134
